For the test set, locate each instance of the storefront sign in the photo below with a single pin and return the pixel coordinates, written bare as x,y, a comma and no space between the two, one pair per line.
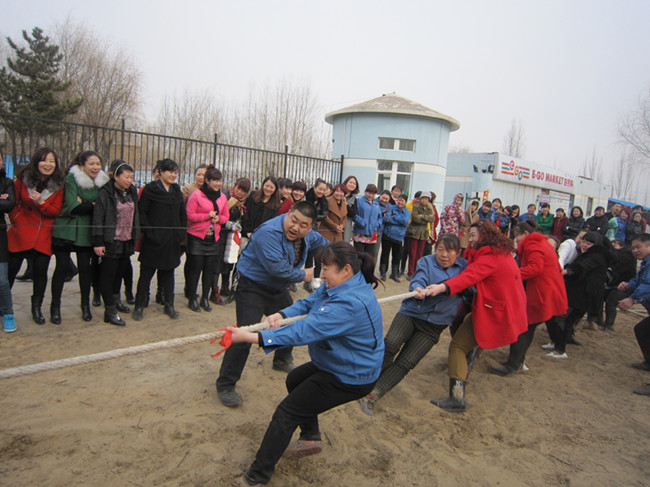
522,172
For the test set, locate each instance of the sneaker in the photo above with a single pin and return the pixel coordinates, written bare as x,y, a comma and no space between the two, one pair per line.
644,391
524,367
303,448
639,365
555,354
367,405
283,367
229,398
549,346
9,323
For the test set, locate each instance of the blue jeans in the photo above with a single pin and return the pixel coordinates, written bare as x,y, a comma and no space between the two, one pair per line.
6,305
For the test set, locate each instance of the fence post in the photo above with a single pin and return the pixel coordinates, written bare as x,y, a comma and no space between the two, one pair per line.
286,158
122,141
341,169
214,154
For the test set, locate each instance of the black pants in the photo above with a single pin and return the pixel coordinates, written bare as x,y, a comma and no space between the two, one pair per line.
89,274
612,297
110,281
404,254
197,264
407,342
128,276
252,302
388,247
365,247
642,333
40,264
165,279
572,318
519,348
311,392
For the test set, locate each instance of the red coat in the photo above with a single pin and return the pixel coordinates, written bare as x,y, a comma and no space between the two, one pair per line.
499,306
31,224
545,290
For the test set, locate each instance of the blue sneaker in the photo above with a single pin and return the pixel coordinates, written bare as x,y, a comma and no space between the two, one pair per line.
8,323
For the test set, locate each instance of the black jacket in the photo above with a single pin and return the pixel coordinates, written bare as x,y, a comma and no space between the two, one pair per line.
6,205
164,224
572,227
632,230
321,204
598,224
256,214
585,281
105,215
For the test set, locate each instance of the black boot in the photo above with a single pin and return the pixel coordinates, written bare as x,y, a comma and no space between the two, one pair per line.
225,285
401,271
72,270
205,304
118,304
193,304
128,295
394,274
382,271
215,297
55,313
86,315
503,371
169,308
111,316
97,298
138,313
37,314
159,297
455,403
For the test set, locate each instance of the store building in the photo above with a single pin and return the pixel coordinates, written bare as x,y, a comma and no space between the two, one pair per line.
393,140
492,175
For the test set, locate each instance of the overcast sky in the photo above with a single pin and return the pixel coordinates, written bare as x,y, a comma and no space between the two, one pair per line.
569,70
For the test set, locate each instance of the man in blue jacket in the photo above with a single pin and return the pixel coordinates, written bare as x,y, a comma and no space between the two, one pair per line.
639,289
272,260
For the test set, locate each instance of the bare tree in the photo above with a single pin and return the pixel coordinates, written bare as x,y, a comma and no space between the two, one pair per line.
624,176
592,167
514,142
634,130
105,76
461,148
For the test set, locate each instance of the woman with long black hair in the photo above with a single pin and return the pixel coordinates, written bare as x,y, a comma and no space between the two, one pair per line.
262,205
207,211
72,231
344,332
39,198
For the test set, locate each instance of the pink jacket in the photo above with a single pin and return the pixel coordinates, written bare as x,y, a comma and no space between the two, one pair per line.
198,207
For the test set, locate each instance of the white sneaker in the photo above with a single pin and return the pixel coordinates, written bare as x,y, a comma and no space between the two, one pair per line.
557,355
524,367
549,346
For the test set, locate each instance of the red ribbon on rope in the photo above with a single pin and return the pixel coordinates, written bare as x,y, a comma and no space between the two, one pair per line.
225,342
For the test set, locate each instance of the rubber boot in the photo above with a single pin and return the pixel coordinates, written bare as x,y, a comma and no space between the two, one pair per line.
128,295
159,297
394,273
169,308
111,316
55,313
215,297
455,403
97,298
118,304
37,314
86,314
401,271
382,271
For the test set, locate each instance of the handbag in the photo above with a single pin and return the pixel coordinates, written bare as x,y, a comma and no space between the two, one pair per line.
233,244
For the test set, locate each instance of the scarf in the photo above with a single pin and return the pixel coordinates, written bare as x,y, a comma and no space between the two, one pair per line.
211,194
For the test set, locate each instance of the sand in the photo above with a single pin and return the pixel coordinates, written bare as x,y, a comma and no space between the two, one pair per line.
154,419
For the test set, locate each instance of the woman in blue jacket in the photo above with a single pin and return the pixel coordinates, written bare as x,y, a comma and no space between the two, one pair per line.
395,222
367,221
420,321
344,332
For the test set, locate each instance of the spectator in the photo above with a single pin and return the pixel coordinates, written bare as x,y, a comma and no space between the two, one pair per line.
417,231
558,223
622,220
545,219
471,217
486,212
530,214
260,206
598,222
367,221
7,203
634,227
298,189
575,224
188,189
337,215
514,219
395,193
395,223
352,190
453,216
615,211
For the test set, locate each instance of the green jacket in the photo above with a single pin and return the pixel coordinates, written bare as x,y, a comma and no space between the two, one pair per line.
73,224
421,216
545,225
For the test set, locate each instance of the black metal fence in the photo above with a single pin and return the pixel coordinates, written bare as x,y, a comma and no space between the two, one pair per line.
20,136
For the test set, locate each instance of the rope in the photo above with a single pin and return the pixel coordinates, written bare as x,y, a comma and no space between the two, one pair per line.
149,347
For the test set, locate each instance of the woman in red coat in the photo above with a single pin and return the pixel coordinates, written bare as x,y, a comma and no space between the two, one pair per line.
39,198
545,292
495,321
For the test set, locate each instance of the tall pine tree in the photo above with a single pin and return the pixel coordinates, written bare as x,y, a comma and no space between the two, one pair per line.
30,86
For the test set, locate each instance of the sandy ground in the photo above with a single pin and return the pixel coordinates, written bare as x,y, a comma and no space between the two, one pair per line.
154,419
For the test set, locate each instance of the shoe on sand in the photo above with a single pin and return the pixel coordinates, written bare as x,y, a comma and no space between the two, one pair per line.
555,354
367,405
303,448
549,346
242,481
229,398
644,391
642,366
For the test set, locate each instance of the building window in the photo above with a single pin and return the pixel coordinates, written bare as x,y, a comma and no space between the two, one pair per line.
405,145
391,173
